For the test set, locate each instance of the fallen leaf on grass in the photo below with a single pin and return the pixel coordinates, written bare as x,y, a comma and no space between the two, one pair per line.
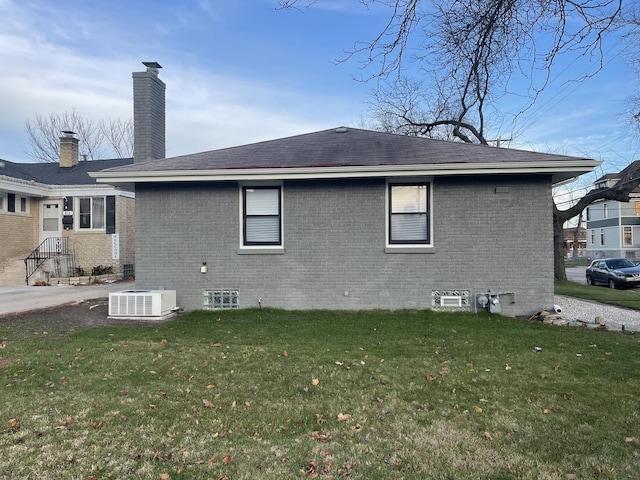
546,411
13,423
207,403
487,436
343,416
227,459
68,420
478,409
163,341
323,437
212,460
285,354
431,377
210,386
315,382
628,440
338,363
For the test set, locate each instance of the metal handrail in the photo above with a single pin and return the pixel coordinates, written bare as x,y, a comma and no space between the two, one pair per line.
48,248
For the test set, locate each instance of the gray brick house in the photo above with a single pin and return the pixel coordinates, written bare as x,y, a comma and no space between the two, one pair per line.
349,219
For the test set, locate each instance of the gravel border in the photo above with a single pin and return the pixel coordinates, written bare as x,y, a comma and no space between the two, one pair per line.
585,311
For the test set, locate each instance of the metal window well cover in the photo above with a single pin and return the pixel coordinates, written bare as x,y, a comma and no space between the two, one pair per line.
144,305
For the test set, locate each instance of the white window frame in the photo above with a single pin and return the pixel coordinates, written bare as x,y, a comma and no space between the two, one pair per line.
592,237
79,214
602,237
605,211
17,203
417,247
260,248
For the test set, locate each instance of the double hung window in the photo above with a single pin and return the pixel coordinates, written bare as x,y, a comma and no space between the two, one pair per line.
91,213
409,214
262,214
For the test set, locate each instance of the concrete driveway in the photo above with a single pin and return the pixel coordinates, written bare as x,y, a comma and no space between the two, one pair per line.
23,298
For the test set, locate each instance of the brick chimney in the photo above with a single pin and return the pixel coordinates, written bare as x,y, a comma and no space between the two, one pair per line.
68,149
148,114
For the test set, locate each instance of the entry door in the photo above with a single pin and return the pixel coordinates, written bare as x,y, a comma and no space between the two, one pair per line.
50,223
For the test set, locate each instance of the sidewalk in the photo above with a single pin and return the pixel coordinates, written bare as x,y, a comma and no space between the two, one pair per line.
25,298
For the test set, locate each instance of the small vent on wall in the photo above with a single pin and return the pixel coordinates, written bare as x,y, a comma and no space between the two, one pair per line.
220,299
450,301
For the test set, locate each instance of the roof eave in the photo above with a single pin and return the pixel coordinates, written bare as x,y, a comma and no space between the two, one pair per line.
559,171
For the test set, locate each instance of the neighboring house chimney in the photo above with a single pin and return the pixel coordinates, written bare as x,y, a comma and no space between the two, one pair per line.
148,114
68,149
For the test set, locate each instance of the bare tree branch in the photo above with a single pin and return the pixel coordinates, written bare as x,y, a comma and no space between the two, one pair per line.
44,132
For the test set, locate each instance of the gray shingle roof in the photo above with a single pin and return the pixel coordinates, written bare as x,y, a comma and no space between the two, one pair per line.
353,147
52,174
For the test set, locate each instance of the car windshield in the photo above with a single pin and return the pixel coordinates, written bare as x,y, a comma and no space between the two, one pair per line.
620,263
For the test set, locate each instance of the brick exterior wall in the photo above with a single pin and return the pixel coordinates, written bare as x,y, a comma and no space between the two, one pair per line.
148,116
91,249
94,248
19,233
489,233
126,228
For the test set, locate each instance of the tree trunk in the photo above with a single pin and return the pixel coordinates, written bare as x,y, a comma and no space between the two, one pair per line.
558,246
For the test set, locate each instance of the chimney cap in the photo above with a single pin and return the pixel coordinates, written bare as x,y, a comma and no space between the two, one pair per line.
152,65
68,133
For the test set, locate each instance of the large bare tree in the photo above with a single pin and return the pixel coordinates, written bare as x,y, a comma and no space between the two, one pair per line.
467,53
114,137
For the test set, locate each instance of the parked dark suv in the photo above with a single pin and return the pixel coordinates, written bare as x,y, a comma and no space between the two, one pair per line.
614,272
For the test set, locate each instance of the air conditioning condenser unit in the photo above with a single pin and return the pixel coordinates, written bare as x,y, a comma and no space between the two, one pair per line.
142,304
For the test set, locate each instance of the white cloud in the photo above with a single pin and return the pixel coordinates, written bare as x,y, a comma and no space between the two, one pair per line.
52,71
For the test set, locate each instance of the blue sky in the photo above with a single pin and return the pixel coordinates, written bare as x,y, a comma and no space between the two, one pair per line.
244,71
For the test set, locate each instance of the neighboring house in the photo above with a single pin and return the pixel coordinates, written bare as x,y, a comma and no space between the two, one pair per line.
349,219
59,211
575,246
62,212
613,228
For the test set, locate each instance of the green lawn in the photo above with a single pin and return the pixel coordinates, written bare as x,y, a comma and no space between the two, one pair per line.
621,298
277,395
